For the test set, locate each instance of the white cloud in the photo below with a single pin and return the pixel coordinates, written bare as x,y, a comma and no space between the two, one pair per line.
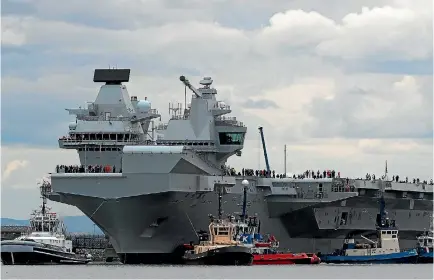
391,106
13,166
295,28
384,32
389,32
24,168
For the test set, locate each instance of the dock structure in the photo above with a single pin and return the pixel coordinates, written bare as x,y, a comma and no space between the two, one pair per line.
88,241
9,232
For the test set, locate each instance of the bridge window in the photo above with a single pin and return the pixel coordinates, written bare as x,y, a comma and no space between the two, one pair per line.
231,138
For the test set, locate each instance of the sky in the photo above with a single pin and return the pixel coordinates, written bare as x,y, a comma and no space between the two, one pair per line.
346,85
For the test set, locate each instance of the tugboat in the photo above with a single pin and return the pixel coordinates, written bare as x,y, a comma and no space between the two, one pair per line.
44,244
425,247
265,251
220,248
385,250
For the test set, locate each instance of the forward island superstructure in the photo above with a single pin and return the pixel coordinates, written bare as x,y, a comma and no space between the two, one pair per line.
149,194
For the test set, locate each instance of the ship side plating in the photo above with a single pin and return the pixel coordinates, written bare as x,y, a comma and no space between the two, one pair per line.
156,192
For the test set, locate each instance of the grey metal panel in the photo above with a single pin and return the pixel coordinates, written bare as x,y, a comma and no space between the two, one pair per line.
149,163
102,126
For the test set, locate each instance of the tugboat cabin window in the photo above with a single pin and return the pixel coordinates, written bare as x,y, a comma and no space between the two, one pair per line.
231,138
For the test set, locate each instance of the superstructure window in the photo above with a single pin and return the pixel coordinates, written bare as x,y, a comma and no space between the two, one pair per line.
227,138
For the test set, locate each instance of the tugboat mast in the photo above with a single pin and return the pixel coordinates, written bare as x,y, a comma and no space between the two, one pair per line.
220,211
44,189
245,183
384,222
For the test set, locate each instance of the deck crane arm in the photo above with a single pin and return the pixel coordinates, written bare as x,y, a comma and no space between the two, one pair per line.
267,164
184,80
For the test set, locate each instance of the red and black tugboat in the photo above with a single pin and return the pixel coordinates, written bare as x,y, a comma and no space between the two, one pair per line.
220,248
265,250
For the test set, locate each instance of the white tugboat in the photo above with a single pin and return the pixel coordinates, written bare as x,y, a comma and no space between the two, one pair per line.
45,243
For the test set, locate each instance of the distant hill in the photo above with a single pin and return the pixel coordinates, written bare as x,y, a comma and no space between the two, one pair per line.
74,224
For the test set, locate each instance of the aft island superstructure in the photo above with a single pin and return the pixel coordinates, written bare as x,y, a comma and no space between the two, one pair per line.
149,193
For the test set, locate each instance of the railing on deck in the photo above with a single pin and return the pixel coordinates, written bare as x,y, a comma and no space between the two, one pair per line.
77,140
87,169
104,118
221,106
228,121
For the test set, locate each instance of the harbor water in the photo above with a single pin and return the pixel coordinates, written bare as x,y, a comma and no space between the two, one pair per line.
322,271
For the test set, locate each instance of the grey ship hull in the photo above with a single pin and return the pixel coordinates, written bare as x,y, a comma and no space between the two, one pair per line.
148,228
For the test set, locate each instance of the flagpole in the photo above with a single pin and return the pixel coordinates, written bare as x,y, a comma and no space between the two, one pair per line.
85,158
385,173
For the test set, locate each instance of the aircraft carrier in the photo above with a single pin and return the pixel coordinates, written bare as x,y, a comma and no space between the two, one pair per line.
151,185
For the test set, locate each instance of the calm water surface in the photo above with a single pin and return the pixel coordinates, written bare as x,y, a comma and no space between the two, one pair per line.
322,271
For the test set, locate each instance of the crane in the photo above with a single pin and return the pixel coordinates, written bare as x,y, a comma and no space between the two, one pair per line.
186,82
267,164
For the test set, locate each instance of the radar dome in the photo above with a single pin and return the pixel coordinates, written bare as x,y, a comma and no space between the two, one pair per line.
143,106
72,126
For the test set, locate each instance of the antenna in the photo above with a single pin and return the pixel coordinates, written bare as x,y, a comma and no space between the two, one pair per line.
44,188
385,172
176,110
284,160
185,97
